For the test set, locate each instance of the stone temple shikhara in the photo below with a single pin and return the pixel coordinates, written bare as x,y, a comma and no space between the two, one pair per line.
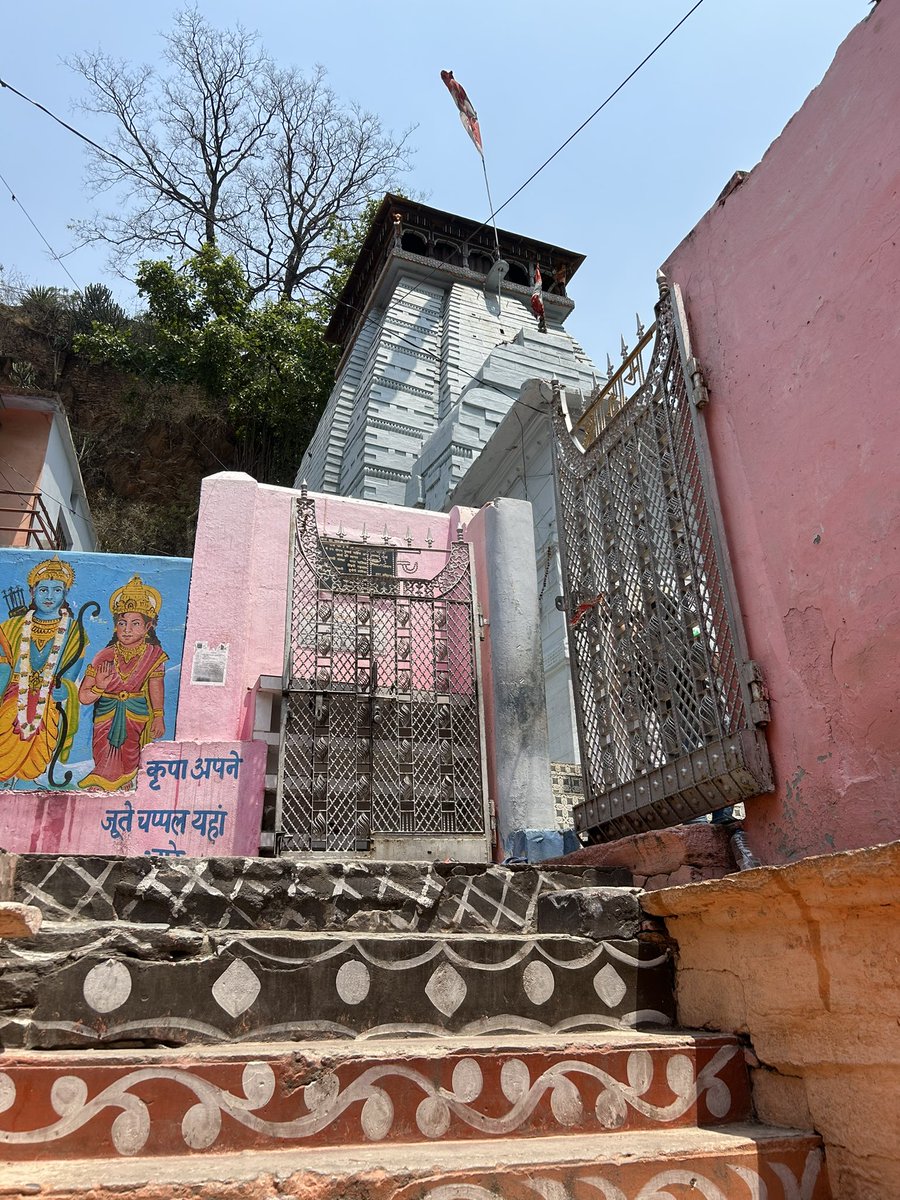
426,409
432,359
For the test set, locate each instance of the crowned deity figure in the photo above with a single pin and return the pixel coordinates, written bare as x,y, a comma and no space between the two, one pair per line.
40,645
125,685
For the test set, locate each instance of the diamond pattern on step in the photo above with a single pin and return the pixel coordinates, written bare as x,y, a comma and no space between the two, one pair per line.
609,985
236,988
446,989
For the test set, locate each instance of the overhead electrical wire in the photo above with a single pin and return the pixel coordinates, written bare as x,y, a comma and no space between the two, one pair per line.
15,199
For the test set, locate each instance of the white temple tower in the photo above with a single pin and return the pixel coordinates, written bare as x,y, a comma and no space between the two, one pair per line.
432,363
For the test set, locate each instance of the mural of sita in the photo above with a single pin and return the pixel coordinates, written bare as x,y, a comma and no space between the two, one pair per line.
125,685
41,647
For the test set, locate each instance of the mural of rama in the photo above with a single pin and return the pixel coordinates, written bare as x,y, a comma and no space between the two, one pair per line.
51,686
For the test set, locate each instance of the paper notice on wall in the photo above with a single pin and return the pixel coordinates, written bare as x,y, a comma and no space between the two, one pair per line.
210,663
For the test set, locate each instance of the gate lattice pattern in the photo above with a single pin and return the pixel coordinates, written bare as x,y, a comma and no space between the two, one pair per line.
666,705
382,729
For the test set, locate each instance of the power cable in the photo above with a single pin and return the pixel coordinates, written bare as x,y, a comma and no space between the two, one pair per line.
659,45
71,128
15,199
492,216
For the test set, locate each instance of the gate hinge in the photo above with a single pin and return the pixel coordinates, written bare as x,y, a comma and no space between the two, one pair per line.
482,623
752,676
699,390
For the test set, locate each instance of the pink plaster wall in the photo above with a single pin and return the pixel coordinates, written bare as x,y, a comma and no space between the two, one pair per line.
240,583
145,820
24,434
792,289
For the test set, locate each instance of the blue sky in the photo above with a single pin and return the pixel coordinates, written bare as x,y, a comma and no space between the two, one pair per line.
624,193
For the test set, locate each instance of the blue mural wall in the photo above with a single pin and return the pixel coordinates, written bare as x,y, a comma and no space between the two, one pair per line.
90,665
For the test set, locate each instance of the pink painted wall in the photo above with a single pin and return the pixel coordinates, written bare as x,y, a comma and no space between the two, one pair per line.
792,289
240,582
24,434
191,798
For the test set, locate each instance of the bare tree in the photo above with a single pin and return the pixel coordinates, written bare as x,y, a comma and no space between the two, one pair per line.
225,147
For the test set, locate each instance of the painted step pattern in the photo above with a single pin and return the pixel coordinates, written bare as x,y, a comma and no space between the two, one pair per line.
290,894
108,984
95,1104
242,1028
735,1162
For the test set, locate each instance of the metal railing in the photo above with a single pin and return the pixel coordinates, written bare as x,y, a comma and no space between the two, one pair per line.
25,522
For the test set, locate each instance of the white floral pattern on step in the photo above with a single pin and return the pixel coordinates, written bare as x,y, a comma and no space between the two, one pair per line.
326,1101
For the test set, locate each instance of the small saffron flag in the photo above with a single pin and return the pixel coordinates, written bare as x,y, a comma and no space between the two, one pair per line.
467,113
537,299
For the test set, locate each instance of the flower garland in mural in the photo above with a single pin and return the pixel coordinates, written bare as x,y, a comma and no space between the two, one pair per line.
44,677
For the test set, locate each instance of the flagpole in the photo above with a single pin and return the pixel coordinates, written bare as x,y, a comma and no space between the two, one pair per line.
491,203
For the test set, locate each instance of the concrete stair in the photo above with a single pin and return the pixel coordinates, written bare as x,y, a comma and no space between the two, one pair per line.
446,1047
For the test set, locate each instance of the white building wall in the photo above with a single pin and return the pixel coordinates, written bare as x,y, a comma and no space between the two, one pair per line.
62,489
507,472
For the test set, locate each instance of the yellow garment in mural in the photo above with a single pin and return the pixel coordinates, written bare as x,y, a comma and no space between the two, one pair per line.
26,754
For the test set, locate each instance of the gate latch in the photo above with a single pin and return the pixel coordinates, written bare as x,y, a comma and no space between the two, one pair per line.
759,694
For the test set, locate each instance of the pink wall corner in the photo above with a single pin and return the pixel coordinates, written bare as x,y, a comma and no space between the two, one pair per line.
25,436
791,289
219,605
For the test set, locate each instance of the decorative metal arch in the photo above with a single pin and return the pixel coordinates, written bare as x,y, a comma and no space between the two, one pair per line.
667,701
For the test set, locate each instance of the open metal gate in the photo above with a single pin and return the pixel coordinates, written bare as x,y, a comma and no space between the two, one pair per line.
667,702
381,726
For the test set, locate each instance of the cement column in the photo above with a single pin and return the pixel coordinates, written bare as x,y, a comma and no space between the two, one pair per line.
513,678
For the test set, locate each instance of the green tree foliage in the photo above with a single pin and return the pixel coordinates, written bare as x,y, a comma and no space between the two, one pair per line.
265,368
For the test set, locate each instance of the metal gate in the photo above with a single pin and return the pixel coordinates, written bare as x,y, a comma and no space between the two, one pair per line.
381,727
667,701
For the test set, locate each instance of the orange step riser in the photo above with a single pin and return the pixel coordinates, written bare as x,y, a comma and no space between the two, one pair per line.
79,1107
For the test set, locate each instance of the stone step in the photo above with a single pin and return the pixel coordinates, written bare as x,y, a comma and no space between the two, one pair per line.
290,893
90,1103
116,983
737,1162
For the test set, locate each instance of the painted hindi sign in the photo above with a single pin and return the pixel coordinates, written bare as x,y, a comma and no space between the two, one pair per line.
192,799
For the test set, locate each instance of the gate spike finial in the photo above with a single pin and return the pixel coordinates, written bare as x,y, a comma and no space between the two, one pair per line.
624,346
640,326
385,536
662,283
460,530
609,367
428,538
303,488
408,537
365,533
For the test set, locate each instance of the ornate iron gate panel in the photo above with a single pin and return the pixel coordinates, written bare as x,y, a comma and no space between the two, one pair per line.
382,727
666,700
